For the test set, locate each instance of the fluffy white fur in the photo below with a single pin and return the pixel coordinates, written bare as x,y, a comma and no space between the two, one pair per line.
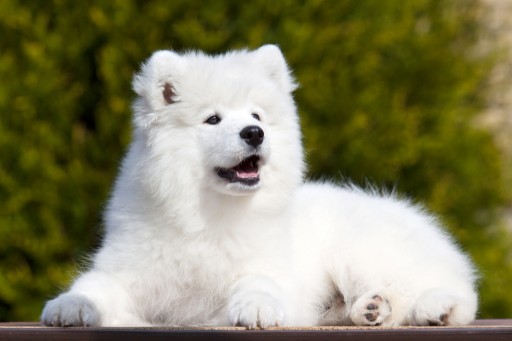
185,247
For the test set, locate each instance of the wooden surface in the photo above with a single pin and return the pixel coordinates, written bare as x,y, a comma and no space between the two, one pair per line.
479,330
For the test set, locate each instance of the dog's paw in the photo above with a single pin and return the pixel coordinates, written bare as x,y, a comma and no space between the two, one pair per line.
70,310
430,313
441,308
370,310
256,310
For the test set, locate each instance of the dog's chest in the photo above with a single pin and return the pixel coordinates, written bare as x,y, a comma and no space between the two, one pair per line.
186,282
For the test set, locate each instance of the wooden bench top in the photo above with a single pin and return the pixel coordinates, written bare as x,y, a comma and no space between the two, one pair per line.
478,330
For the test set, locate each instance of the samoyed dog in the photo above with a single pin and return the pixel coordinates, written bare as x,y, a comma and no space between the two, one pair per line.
210,222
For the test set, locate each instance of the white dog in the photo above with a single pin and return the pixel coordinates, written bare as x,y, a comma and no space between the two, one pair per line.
210,222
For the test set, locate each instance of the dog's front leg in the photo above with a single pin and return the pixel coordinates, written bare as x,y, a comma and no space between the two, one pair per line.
256,301
96,299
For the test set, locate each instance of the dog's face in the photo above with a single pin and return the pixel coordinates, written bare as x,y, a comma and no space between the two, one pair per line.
235,145
226,116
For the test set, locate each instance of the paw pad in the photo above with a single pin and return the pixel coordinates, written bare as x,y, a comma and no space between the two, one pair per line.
371,311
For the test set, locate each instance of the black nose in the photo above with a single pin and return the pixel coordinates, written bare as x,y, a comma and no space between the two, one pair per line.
253,135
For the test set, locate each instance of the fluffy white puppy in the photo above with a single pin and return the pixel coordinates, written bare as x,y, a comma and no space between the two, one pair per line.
210,222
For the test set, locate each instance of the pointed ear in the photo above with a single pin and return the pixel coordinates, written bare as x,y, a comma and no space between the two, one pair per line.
158,78
272,60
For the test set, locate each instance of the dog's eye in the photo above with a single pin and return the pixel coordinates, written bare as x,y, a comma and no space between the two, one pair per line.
214,119
256,116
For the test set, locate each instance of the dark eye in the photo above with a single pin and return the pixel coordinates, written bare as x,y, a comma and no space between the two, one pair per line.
214,119
256,116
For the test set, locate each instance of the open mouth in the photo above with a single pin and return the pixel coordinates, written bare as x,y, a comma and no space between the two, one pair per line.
246,172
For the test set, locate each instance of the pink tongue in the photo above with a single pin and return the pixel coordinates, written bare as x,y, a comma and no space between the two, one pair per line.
246,175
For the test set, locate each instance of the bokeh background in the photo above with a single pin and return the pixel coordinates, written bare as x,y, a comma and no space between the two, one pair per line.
400,94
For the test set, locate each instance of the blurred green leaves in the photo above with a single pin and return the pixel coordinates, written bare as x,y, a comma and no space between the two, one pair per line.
389,93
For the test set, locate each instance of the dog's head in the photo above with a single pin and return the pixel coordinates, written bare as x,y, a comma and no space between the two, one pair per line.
227,123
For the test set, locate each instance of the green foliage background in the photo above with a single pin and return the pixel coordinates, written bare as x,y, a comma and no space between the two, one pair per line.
390,92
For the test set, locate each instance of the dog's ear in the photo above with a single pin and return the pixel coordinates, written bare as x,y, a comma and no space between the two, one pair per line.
158,78
273,62
156,84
